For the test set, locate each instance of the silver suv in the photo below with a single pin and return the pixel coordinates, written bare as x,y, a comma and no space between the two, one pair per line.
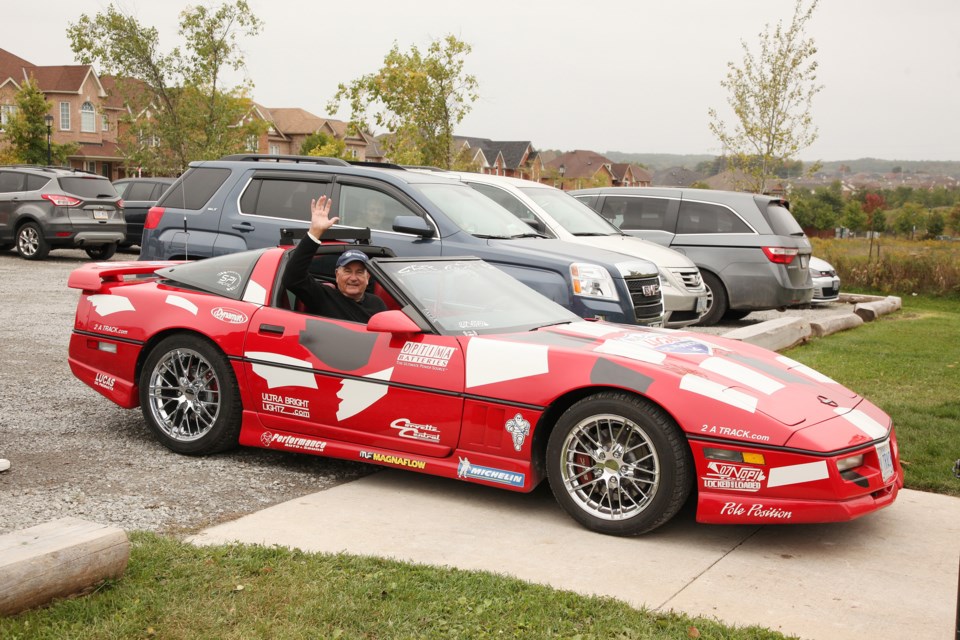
44,208
751,252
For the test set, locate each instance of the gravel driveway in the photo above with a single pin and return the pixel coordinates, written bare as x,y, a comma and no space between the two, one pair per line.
74,453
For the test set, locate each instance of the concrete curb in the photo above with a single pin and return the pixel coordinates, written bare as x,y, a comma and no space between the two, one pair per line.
781,333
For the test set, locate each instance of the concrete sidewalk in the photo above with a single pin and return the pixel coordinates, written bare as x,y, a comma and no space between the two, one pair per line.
887,576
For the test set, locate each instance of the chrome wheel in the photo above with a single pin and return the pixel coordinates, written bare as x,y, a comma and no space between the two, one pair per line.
30,242
184,395
610,468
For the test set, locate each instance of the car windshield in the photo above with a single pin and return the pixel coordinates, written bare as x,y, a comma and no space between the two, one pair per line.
570,213
474,212
468,296
224,275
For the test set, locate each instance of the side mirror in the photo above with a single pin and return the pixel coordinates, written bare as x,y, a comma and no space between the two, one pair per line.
393,321
412,224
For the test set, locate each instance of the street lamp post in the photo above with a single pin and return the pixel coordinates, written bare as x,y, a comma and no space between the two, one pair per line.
562,169
49,120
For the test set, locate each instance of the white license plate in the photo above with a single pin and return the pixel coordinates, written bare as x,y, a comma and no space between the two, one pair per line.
701,304
100,215
804,261
886,460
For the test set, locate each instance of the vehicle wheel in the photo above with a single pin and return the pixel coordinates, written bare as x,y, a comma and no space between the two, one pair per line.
618,464
101,251
716,300
30,242
736,314
189,396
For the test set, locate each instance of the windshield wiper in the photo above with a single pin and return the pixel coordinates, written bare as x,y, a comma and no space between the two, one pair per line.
490,237
528,235
551,324
594,233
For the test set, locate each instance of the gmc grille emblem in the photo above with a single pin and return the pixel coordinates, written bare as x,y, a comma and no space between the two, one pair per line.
651,289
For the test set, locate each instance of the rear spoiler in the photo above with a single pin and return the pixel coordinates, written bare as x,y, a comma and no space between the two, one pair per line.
92,277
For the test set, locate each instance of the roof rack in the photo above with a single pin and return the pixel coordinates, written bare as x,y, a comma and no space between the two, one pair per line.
361,236
424,167
51,168
376,165
272,157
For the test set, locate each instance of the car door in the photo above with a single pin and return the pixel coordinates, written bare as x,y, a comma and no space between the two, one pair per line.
11,188
335,380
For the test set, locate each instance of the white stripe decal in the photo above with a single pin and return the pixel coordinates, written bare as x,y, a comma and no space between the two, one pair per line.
356,395
280,377
796,367
797,473
743,375
632,351
592,329
710,389
865,423
105,304
183,303
490,361
255,293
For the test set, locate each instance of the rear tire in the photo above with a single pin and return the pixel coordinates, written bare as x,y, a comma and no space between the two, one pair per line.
101,251
31,244
717,304
189,396
618,464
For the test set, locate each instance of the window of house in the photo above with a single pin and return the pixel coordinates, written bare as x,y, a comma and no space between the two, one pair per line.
275,149
253,144
64,116
104,123
7,111
90,165
88,118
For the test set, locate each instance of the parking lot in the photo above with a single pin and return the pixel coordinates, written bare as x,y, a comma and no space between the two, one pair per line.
73,453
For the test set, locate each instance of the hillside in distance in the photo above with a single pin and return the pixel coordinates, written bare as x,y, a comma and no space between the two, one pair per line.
660,161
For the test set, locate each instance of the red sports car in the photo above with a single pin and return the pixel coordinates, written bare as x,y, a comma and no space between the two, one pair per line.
471,375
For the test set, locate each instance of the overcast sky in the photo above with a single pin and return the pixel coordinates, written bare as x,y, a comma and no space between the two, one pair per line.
635,76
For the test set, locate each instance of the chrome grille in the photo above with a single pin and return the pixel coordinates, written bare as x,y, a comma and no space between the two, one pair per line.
690,277
647,299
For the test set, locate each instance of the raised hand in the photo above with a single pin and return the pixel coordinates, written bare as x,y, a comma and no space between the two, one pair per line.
320,219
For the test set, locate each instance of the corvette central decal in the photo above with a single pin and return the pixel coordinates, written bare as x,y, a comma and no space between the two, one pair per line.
414,431
519,429
282,376
491,361
733,477
104,304
183,303
474,472
356,395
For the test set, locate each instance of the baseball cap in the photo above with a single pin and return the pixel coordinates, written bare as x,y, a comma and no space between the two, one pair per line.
352,256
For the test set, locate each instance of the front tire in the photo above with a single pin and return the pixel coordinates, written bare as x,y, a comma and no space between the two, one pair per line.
189,396
717,303
31,244
101,252
618,464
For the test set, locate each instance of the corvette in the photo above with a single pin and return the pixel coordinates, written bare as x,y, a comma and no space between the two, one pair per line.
471,375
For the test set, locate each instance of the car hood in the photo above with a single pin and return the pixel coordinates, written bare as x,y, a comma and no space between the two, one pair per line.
576,252
638,248
713,387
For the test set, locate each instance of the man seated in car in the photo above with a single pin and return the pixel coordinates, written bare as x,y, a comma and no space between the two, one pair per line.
349,300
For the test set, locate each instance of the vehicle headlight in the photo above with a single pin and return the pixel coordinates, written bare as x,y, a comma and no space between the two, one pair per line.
851,462
668,279
592,281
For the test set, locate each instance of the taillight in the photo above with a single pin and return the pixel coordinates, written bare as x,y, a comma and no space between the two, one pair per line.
119,204
780,255
153,217
61,200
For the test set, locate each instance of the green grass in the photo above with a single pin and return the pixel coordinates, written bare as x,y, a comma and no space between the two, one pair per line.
173,590
908,363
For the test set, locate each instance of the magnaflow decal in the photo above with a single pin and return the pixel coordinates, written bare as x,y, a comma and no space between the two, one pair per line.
742,375
183,303
356,395
398,461
519,429
255,293
490,361
282,376
105,304
718,392
605,372
490,474
337,347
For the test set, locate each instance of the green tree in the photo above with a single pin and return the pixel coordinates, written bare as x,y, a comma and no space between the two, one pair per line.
936,222
26,132
854,217
181,109
418,98
771,95
910,219
312,141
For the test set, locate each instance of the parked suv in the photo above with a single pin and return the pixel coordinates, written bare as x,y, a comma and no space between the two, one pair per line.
242,202
556,214
44,208
751,252
139,194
